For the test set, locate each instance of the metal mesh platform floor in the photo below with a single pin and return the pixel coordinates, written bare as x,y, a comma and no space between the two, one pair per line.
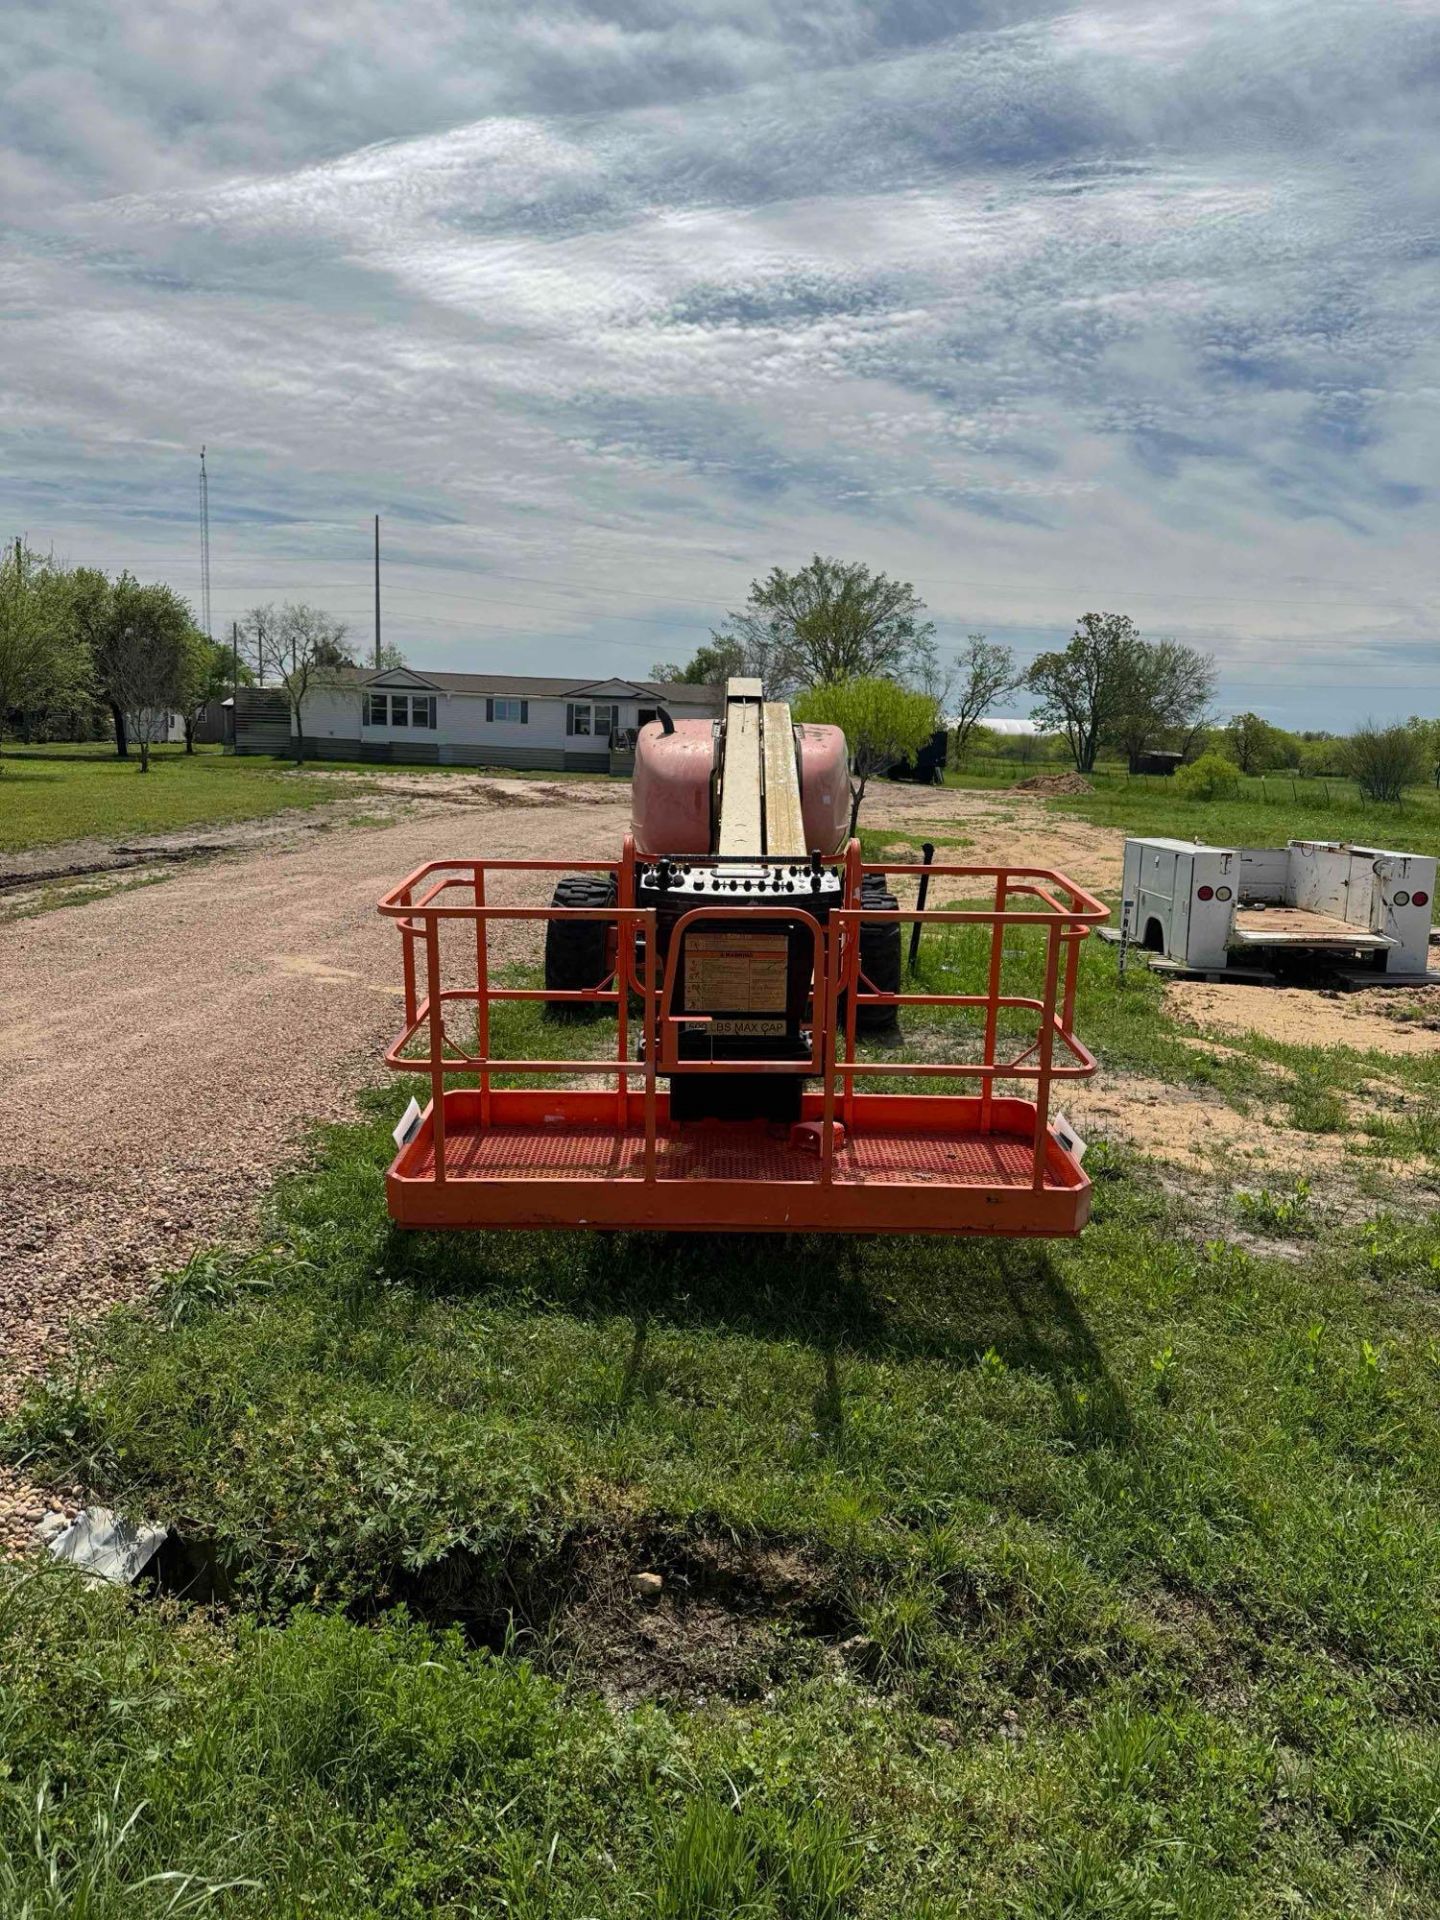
566,1158
577,1151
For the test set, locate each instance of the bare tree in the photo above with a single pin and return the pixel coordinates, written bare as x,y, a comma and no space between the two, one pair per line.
255,633
833,620
986,672
301,647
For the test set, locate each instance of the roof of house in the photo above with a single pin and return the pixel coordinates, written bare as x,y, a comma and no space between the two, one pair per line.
528,685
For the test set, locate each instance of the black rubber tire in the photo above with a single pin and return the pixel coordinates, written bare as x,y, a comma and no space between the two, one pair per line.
577,952
879,958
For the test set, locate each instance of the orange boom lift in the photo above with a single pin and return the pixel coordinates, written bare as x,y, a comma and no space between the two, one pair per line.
743,945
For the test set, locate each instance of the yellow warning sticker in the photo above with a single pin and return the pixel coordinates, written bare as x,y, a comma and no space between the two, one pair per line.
734,972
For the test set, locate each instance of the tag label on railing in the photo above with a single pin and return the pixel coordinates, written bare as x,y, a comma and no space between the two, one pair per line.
408,1126
1068,1138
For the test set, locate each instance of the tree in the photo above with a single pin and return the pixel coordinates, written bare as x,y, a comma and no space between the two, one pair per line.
301,646
92,613
1086,688
1254,745
1172,692
214,679
1211,777
717,661
882,721
1322,756
1383,761
41,661
154,658
1427,738
987,672
832,621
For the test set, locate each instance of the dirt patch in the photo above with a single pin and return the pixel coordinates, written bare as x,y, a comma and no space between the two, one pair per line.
1192,1130
461,789
1053,783
1368,1022
999,827
729,1621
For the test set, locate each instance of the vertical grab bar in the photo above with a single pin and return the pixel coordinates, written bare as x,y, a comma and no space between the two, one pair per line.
1047,1054
482,994
834,941
437,1041
992,1005
651,1043
624,937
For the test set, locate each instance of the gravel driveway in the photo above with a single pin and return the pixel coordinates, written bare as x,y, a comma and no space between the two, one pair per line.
163,1050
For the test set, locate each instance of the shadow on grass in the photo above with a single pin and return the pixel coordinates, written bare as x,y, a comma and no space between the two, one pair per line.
912,1298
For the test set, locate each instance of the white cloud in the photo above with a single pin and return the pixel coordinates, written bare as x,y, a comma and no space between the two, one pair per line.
1128,305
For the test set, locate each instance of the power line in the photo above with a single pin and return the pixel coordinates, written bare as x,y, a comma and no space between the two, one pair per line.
472,579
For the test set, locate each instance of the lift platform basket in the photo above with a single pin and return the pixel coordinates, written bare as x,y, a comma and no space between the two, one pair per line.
486,1154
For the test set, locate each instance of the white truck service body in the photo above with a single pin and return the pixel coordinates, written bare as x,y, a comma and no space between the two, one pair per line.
1212,907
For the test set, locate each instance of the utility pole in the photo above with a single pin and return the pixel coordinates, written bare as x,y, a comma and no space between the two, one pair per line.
377,593
205,544
234,686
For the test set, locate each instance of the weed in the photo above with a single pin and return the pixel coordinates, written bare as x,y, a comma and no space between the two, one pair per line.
1292,1214
1163,1370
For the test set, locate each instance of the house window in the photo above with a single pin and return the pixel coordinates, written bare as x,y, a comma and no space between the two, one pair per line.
515,711
400,710
599,717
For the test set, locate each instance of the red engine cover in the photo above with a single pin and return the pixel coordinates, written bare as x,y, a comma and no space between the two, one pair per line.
824,787
670,798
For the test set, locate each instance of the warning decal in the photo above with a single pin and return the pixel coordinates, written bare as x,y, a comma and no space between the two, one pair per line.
734,972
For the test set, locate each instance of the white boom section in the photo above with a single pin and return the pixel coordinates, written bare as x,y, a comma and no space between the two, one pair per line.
742,819
784,822
759,785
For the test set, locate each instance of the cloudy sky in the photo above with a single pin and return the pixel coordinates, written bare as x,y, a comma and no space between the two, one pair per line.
606,308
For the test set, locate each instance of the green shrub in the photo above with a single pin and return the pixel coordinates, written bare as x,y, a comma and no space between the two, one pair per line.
1211,777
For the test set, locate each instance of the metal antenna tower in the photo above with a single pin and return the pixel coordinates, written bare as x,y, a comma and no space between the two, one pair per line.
205,544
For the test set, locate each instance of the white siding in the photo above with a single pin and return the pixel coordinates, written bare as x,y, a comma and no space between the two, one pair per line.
339,714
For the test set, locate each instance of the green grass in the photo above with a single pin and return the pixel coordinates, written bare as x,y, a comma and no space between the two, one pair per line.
1108,1571
53,794
1268,811
1134,1544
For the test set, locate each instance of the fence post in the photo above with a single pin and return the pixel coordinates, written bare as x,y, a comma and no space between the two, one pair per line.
927,851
